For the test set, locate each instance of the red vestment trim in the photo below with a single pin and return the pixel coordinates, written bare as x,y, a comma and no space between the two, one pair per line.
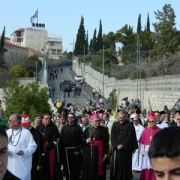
99,144
51,156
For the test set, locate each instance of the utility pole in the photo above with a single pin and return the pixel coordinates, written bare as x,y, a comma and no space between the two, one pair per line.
137,65
36,71
140,69
103,74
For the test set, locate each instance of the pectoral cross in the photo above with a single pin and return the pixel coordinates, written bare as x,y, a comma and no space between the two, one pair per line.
150,138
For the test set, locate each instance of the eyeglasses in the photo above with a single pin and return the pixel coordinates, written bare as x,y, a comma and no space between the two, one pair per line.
135,120
151,121
70,117
103,122
96,121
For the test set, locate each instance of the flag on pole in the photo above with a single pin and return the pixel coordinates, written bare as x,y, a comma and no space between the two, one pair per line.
34,16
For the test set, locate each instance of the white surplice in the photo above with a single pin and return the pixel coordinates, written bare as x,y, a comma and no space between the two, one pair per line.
20,139
162,125
137,158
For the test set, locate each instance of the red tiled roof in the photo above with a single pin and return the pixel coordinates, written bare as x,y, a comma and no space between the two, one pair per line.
21,29
34,52
13,45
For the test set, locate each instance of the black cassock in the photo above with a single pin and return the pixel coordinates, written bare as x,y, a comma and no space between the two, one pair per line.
90,153
37,155
121,162
51,168
72,138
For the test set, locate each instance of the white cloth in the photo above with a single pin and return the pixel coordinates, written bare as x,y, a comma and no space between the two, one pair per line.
23,140
162,125
137,158
146,161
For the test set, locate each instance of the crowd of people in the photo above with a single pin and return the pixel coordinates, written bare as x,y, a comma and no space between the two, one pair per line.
79,143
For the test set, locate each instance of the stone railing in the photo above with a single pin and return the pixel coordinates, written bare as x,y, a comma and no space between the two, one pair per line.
160,91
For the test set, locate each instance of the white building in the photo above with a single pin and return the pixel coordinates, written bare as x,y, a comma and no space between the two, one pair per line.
54,47
37,39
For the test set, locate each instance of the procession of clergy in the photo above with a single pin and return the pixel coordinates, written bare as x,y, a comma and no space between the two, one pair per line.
80,146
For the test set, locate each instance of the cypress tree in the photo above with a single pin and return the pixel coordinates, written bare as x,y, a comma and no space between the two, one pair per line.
139,24
80,40
86,44
93,43
148,23
99,38
2,50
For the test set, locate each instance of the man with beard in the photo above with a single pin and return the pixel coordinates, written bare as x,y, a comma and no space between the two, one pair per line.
51,168
124,143
71,135
95,151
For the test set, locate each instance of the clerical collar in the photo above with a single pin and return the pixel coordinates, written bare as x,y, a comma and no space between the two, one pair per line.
121,122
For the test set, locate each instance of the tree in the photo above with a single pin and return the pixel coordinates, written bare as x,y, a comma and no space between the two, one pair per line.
86,44
19,71
128,39
93,43
148,24
5,78
80,40
165,32
31,98
109,41
99,38
146,42
32,63
2,50
139,24
109,58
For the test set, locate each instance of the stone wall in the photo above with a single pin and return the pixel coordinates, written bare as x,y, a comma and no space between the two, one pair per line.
160,91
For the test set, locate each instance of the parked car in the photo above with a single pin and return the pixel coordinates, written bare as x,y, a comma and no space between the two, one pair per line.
78,78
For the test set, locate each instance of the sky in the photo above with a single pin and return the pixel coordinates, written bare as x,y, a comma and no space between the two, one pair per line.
62,17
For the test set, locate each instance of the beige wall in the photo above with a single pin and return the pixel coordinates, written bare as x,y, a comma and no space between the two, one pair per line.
162,90
15,55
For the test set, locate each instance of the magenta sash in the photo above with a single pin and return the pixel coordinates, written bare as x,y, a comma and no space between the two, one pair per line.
99,144
51,156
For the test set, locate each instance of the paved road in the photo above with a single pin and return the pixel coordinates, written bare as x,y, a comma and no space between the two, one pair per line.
67,75
85,96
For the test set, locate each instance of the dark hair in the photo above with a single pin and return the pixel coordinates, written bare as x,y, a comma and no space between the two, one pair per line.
18,118
165,143
37,115
3,132
107,114
71,114
46,113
